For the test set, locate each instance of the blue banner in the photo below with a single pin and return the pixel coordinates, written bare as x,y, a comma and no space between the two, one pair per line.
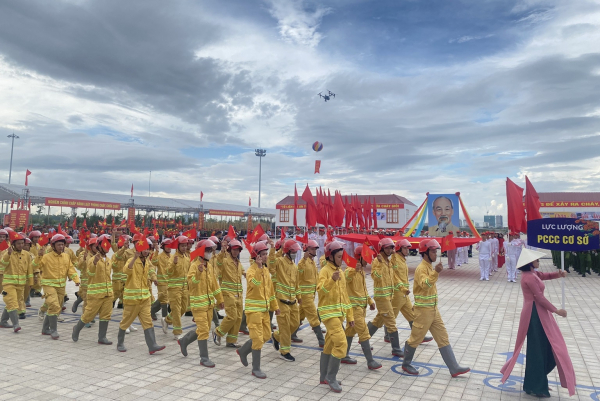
563,234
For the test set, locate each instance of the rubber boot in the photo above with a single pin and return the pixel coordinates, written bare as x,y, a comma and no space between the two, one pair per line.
295,338
76,304
450,361
215,318
409,353
386,336
121,341
102,328
347,358
76,329
53,326
323,364
426,339
4,320
244,351
154,308
395,341
164,309
319,335
243,326
187,340
372,329
151,341
46,326
256,365
204,361
371,363
331,377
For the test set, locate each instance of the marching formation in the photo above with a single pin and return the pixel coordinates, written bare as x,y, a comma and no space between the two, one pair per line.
201,280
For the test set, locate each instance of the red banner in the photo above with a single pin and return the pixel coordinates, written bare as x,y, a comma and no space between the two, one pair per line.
214,212
18,219
379,206
82,203
569,204
131,216
317,166
201,221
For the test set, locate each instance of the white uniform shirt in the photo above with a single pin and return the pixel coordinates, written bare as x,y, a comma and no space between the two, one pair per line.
485,250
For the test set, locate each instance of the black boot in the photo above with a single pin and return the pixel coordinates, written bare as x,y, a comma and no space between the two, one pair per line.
53,326
151,341
76,330
4,320
319,335
204,361
256,365
187,340
323,364
164,309
121,341
409,353
395,341
347,358
244,351
46,326
76,304
331,378
243,326
371,363
386,335
155,308
450,361
102,328
372,329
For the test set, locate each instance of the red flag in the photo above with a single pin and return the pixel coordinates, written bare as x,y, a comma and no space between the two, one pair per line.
12,204
339,211
359,213
532,201
231,232
74,226
121,241
27,174
348,214
201,195
311,207
374,213
448,243
198,252
514,203
317,166
132,190
146,231
295,205
123,223
132,228
258,232
192,234
302,238
30,228
155,234
4,245
249,201
330,217
105,245
82,243
43,239
349,260
141,244
367,253
113,223
282,235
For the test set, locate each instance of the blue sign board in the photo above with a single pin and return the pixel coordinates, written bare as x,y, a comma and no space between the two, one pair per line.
563,234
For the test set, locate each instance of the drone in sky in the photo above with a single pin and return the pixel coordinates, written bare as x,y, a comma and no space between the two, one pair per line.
328,96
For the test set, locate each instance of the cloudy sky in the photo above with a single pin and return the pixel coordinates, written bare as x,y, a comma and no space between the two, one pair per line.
438,96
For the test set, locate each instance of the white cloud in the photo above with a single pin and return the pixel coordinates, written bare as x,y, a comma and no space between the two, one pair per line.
298,24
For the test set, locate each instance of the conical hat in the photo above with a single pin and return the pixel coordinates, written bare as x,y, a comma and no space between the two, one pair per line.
528,256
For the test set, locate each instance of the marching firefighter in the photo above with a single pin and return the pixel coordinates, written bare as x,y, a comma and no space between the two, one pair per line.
162,264
55,266
204,290
177,270
118,275
427,314
18,272
384,284
260,299
98,294
136,297
334,307
307,281
356,286
287,292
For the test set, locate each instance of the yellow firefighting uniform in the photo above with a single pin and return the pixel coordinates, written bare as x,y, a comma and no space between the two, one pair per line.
99,293
400,300
427,314
178,289
260,299
136,294
334,306
55,269
287,293
162,263
307,282
356,286
204,294
37,283
18,272
230,271
384,283
83,276
118,275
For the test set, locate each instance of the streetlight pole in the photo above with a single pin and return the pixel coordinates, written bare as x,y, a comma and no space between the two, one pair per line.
149,179
13,136
260,153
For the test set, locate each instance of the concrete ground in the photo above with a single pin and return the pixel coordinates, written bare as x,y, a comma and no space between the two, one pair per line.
481,318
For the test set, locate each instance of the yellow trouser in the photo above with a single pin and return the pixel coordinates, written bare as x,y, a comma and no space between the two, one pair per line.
401,304
1,278
360,326
287,322
428,319
163,294
203,318
385,315
259,326
54,298
14,298
83,295
179,300
37,282
25,295
308,310
230,326
118,286
141,311
95,306
335,338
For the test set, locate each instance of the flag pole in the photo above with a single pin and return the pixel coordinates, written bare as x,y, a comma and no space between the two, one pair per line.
562,262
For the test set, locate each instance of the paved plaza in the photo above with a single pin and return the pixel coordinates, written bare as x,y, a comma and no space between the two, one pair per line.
481,318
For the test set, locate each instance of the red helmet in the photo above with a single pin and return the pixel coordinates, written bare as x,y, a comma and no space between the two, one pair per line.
190,240
385,242
214,239
235,244
182,239
27,241
104,237
427,244
401,243
311,244
8,229
35,233
151,238
278,245
208,243
93,241
138,237
3,232
93,235
167,241
69,239
358,252
290,245
263,237
332,247
57,237
258,247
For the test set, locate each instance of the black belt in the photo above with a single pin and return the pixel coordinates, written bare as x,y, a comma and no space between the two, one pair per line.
287,302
